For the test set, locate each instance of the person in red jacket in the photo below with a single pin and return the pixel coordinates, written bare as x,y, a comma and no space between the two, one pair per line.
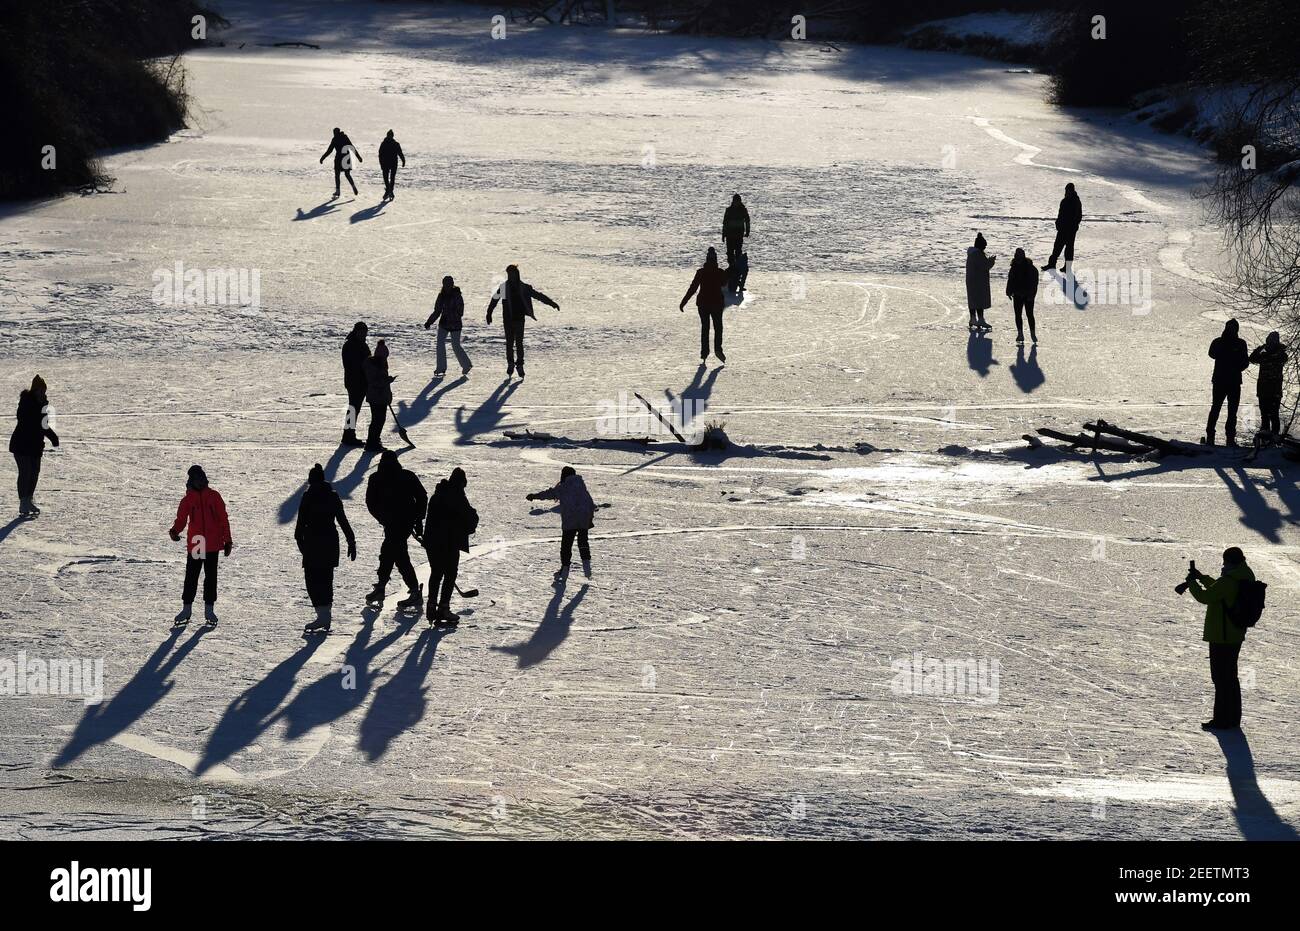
708,281
209,536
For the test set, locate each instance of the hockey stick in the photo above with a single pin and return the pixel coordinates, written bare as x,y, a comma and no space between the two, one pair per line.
468,593
670,427
401,431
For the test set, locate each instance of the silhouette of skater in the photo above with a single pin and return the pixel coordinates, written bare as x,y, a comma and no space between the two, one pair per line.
390,150
1022,288
978,296
1230,360
318,541
1271,358
1068,217
379,392
395,498
27,443
449,311
516,297
735,228
1223,636
355,353
203,508
577,516
450,521
344,151
709,281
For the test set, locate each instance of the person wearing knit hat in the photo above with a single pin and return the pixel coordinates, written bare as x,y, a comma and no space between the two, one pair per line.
27,443
319,511
449,310
978,291
379,393
203,510
450,521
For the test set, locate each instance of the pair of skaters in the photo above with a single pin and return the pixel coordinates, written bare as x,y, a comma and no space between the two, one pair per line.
390,151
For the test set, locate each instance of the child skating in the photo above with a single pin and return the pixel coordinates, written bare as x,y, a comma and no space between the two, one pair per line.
577,516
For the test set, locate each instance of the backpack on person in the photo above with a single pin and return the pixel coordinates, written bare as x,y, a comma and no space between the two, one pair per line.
1246,610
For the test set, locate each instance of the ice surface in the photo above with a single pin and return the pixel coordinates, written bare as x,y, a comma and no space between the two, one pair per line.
732,668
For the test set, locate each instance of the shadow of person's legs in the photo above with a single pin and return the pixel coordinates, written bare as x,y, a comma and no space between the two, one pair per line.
1255,814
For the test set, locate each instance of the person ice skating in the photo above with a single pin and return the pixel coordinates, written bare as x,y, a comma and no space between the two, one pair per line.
319,511
1068,217
447,527
577,517
344,151
516,297
735,228
709,281
1224,637
395,498
204,510
27,443
1271,359
1230,360
449,312
390,150
978,296
379,393
355,353
1022,287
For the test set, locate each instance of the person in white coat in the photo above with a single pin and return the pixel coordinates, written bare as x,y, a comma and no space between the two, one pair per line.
577,516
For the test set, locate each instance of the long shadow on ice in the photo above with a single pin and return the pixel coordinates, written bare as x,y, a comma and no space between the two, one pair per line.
368,213
1257,513
9,527
344,486
488,416
251,713
101,723
343,690
417,410
1026,371
549,634
979,353
319,210
1255,814
400,702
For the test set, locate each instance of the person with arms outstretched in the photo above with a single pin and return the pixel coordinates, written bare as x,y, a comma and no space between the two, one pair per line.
516,297
577,517
390,150
344,151
707,286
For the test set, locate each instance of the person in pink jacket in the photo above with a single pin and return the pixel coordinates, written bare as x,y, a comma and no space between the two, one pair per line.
208,536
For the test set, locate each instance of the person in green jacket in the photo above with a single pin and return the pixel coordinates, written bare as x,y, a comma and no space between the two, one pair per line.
1223,636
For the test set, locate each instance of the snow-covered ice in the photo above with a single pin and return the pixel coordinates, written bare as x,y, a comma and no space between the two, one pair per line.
738,663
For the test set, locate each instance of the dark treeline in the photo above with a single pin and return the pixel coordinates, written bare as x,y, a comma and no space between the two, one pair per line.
83,76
